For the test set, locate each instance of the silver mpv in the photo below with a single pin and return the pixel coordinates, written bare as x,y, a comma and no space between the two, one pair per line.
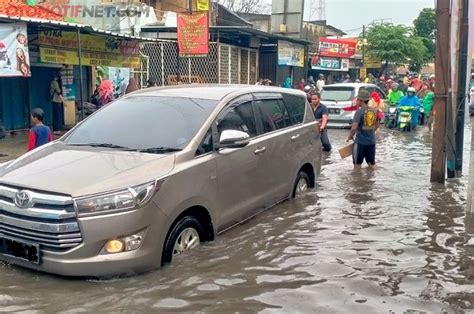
154,174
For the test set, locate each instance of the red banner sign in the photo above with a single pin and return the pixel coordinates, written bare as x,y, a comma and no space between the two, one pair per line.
193,34
339,48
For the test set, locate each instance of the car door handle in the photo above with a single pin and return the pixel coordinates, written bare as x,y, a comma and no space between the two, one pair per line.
295,137
260,150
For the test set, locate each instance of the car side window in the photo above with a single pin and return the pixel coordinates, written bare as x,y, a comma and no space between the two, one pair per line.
239,117
296,106
207,144
273,114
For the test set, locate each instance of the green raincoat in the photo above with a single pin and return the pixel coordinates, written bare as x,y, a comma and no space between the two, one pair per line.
428,102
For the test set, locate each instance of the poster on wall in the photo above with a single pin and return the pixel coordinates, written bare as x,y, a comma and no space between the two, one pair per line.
120,78
290,54
14,55
193,34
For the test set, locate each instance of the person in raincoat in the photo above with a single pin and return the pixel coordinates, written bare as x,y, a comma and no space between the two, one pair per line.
287,83
428,103
395,94
411,100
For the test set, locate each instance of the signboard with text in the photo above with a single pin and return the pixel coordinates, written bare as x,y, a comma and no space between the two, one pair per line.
338,48
193,34
62,47
290,54
332,64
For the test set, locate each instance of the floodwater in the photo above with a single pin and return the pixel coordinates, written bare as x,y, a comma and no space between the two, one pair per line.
375,242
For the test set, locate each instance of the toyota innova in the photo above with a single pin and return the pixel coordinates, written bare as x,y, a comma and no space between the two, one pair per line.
153,175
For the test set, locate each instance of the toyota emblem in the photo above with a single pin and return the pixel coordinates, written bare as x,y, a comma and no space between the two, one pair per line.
23,199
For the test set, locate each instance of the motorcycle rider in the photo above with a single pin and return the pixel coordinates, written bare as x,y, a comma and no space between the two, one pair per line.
395,95
411,100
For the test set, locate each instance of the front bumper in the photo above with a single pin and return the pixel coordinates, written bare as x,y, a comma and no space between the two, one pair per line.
86,259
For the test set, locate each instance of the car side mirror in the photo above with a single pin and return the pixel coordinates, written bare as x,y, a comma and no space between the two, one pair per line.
233,139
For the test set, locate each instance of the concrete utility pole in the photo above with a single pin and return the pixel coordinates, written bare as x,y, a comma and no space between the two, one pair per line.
462,85
442,74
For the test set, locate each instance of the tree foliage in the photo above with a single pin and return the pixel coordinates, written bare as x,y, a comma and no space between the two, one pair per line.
246,6
425,27
396,44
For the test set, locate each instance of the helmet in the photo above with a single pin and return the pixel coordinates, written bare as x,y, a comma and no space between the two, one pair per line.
411,90
395,85
307,88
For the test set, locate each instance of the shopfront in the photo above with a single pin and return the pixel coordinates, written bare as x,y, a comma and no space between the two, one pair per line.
54,48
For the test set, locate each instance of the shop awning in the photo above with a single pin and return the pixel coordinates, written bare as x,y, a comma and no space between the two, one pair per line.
16,8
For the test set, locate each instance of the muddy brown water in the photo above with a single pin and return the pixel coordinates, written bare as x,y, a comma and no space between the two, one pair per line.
375,242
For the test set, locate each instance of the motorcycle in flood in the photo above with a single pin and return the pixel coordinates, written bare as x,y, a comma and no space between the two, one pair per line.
405,118
391,116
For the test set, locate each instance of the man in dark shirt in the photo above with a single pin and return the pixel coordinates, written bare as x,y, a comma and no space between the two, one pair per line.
321,115
365,124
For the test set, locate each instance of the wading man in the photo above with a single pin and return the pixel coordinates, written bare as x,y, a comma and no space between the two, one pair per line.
365,124
321,115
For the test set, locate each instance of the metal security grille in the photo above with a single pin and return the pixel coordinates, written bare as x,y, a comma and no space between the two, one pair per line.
142,75
224,64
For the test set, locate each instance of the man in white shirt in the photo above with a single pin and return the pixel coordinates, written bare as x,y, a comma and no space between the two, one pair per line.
320,83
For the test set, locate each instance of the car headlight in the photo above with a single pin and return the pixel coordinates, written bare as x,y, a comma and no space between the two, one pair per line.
124,200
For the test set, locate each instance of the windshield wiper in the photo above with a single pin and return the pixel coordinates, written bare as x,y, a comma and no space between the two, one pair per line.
104,145
159,150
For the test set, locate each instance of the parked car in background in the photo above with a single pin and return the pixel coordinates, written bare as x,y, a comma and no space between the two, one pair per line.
153,175
340,99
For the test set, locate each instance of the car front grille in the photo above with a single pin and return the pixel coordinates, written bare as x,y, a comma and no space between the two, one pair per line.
47,219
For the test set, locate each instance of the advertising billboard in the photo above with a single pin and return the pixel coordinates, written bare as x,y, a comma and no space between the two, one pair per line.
290,54
338,48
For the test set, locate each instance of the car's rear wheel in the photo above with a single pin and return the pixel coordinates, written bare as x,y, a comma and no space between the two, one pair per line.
302,184
184,236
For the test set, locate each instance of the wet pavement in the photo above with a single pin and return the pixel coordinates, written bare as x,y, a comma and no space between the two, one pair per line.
370,242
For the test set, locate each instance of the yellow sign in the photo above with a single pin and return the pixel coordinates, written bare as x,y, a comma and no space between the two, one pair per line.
363,72
68,40
372,63
203,5
50,55
61,47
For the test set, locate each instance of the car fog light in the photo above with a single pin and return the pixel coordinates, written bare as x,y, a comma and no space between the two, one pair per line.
125,244
114,246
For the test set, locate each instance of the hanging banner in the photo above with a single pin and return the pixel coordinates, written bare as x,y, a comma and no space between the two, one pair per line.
14,54
203,5
193,34
332,64
290,54
61,47
339,48
372,63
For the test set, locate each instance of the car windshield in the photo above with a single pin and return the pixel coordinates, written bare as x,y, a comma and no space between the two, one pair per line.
144,123
337,93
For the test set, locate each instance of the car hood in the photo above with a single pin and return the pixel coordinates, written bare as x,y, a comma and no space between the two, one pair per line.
80,171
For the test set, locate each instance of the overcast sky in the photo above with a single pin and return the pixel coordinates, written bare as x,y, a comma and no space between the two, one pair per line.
351,14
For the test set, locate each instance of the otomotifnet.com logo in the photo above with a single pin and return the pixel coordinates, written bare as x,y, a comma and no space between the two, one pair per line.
94,9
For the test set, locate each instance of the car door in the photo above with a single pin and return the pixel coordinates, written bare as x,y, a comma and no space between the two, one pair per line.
237,168
276,146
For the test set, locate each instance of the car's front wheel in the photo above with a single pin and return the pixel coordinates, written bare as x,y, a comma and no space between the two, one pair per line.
302,184
184,236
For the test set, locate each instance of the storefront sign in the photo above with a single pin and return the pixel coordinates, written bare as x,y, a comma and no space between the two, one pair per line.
61,47
339,48
332,64
193,34
203,5
67,80
14,54
50,55
290,54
